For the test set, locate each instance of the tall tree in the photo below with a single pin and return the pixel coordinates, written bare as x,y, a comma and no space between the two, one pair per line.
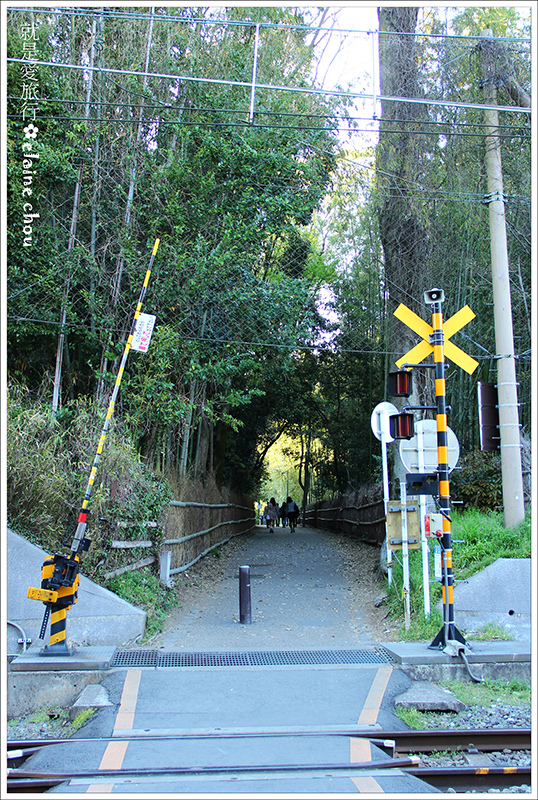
400,156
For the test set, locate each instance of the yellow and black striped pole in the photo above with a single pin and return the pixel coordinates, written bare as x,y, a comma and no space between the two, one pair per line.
60,578
449,632
78,539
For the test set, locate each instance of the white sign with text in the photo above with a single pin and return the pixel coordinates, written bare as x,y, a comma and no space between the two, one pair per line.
142,335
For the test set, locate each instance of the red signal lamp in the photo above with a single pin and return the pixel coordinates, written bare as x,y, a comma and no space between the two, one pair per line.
400,384
402,426
433,525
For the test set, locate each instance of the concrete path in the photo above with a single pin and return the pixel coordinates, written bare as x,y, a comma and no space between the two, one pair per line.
300,598
250,719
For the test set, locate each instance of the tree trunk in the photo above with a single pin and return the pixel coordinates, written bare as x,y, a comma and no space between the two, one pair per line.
403,236
71,243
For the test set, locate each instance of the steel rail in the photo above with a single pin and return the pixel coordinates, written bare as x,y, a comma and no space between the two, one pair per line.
469,778
463,778
423,741
33,745
396,742
427,741
223,769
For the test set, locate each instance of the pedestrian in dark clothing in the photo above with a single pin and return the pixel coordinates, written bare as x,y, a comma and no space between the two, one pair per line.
284,513
293,513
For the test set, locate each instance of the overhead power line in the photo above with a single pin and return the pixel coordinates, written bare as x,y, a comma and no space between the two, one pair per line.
245,23
227,124
277,88
152,103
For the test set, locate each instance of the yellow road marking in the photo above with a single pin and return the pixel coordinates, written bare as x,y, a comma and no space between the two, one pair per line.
367,784
370,710
360,750
115,751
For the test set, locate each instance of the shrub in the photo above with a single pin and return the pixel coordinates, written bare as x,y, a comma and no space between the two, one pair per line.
478,482
48,464
478,539
142,589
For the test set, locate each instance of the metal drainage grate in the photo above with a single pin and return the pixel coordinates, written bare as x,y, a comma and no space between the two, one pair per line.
135,658
154,658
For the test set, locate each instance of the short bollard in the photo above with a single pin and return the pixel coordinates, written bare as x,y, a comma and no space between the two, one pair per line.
244,595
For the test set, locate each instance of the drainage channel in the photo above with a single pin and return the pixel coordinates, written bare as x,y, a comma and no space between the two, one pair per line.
155,658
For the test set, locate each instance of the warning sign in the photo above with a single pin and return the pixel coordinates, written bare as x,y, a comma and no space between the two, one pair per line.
142,335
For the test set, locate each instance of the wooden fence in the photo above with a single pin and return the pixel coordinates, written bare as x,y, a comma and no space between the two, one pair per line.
192,529
219,527
354,515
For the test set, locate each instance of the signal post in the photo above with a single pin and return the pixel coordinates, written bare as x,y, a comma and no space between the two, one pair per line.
436,340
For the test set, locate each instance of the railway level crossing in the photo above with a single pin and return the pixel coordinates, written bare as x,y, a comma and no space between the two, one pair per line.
285,730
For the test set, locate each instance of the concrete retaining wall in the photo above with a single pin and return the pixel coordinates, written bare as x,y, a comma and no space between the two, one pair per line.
99,617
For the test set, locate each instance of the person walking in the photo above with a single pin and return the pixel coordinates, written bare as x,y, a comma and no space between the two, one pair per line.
293,513
284,513
271,514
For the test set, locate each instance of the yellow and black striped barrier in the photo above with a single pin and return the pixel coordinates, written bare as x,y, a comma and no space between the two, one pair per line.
60,574
448,632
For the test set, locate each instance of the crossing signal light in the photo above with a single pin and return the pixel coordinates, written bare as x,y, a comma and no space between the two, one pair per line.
400,384
402,426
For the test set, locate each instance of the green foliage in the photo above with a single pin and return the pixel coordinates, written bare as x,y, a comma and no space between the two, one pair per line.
413,718
81,719
257,228
485,539
491,631
144,590
478,481
510,692
48,466
478,540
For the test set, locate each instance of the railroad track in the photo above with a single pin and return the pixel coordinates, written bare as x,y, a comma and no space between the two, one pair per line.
401,748
476,777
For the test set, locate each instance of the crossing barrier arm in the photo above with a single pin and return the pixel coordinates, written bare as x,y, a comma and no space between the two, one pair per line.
60,573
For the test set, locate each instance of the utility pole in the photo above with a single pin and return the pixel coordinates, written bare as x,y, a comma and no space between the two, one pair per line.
512,477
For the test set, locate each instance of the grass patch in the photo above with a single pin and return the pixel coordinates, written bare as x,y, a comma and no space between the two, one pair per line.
81,719
492,692
142,589
47,723
478,539
491,632
514,692
414,719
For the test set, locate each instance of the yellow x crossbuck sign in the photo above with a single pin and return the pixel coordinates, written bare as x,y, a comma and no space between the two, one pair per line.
424,348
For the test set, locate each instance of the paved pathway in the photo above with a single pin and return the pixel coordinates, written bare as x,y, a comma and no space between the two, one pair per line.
300,599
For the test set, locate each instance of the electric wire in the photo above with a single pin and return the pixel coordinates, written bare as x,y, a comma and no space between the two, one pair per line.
160,17
338,93
246,125
259,112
